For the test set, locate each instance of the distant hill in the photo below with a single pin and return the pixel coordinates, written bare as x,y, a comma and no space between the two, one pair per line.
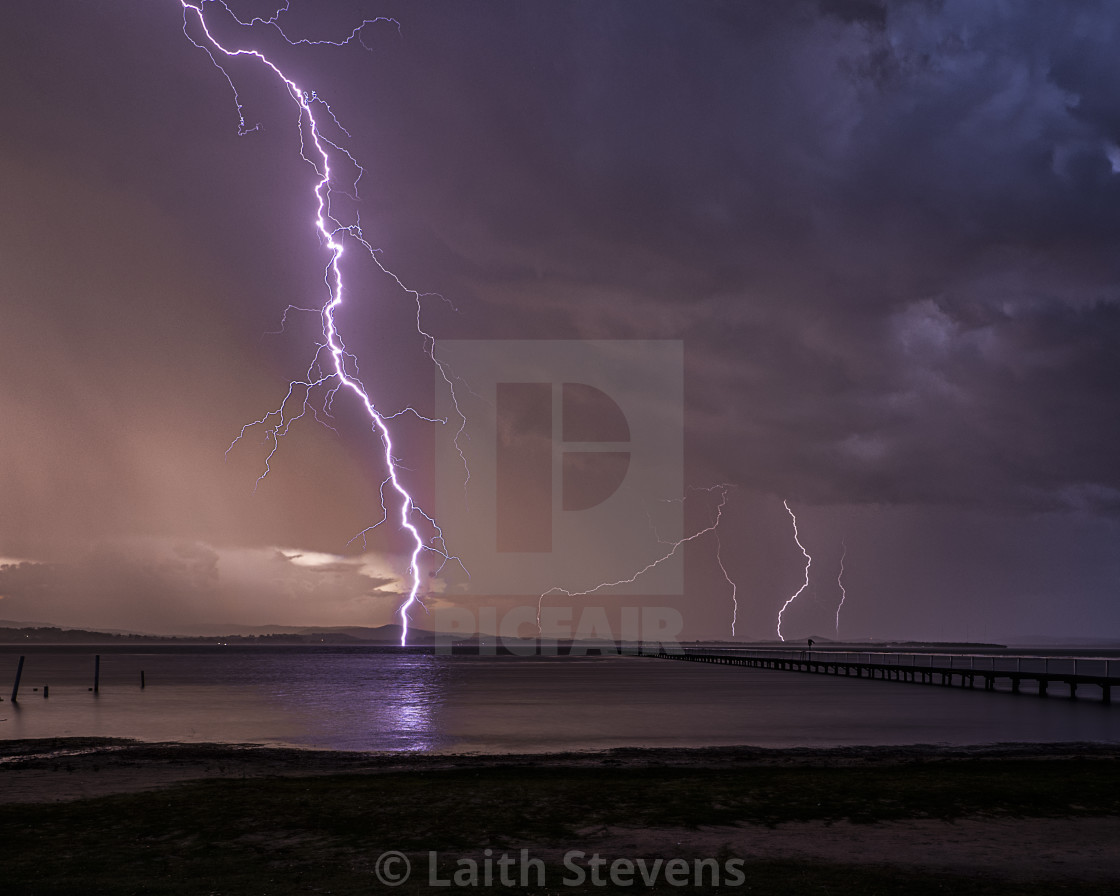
1052,642
822,643
380,633
276,635
17,632
384,635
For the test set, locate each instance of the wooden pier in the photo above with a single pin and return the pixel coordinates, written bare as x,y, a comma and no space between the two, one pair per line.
942,675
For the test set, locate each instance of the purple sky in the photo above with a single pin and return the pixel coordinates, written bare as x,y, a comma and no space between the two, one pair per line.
887,237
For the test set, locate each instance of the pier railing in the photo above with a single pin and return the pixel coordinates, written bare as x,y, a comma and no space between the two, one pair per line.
1101,667
946,669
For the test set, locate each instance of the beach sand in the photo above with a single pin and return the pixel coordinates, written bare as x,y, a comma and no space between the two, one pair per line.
1008,843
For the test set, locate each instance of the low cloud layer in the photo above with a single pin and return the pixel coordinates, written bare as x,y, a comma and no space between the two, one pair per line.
156,588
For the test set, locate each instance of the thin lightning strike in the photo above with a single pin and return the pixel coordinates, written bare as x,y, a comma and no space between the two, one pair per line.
808,563
723,488
332,367
734,587
840,582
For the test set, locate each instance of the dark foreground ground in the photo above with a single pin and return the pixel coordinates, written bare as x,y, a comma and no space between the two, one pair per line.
81,816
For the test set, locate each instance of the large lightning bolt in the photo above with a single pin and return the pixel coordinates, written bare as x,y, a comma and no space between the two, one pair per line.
840,582
332,368
808,563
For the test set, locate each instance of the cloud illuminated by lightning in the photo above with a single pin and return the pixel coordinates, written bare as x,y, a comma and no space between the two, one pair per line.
332,368
808,563
840,582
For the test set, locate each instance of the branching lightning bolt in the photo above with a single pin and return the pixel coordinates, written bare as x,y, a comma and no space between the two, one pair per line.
840,582
808,563
332,368
723,489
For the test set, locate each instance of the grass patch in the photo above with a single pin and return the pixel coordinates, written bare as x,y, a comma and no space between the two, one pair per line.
322,834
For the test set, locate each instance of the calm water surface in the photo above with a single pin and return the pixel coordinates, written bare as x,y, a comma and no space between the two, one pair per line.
348,699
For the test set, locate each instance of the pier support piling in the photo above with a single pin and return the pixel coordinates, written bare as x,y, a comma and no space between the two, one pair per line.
19,675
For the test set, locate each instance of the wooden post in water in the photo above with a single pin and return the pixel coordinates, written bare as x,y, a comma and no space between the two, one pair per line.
19,675
141,679
46,691
96,672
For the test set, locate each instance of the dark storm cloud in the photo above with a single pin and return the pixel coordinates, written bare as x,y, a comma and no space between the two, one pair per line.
887,231
871,12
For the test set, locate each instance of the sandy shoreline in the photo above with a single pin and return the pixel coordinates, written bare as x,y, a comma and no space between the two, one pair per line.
1075,848
61,769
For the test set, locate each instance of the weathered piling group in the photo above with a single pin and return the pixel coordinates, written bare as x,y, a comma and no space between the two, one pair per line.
96,689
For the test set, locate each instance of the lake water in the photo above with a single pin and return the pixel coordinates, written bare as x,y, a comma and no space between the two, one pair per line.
353,699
